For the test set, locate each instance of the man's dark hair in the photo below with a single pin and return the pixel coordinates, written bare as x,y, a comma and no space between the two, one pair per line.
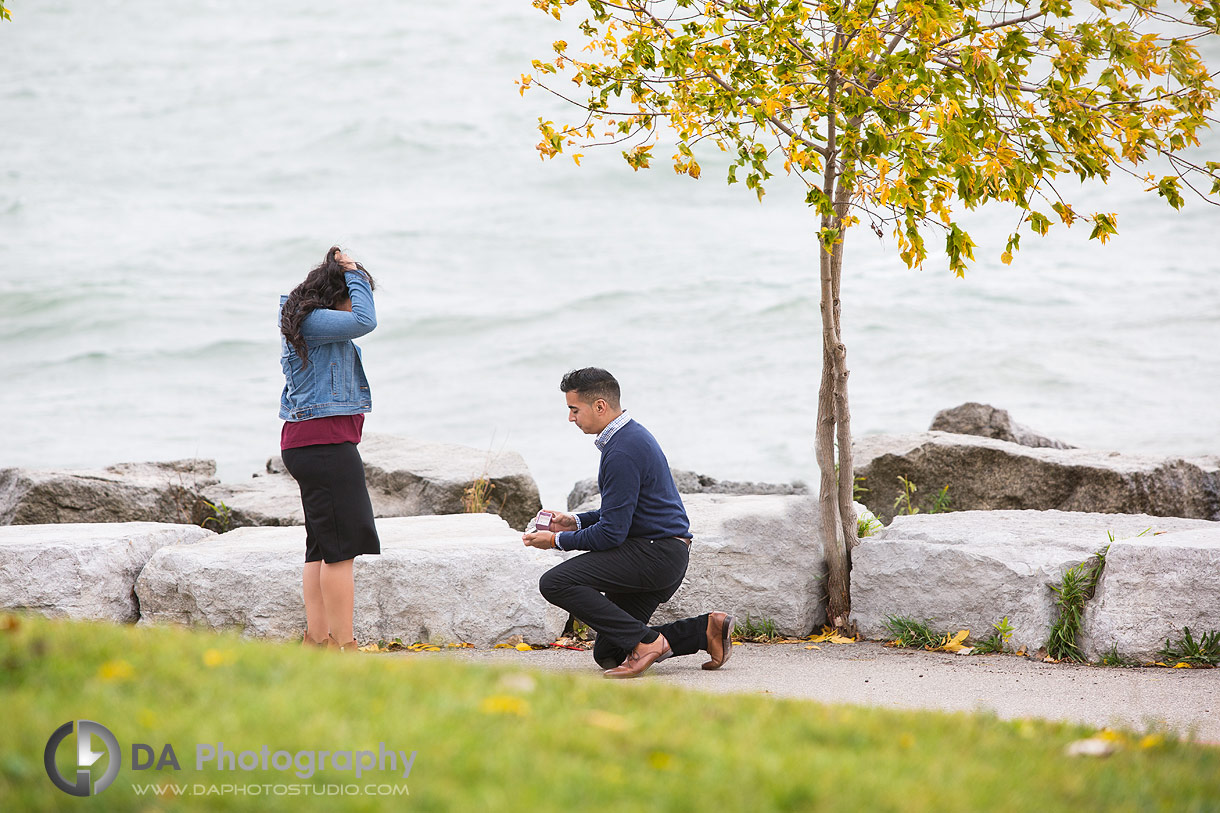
592,383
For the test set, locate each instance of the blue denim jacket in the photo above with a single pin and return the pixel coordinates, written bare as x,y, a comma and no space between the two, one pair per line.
333,382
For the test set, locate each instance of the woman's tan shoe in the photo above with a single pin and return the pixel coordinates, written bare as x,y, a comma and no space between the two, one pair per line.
306,641
346,649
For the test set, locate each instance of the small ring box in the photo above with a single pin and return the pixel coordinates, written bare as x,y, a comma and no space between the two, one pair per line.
543,521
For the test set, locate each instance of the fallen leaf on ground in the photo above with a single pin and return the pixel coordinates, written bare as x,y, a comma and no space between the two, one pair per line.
1152,741
118,670
519,682
608,721
1095,747
504,704
524,648
954,644
830,636
813,646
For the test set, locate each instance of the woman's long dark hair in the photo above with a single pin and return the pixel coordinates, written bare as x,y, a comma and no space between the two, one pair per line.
324,287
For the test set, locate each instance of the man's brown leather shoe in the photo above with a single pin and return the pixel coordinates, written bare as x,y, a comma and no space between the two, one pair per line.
637,664
719,639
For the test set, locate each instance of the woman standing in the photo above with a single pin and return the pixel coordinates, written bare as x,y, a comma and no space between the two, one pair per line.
323,405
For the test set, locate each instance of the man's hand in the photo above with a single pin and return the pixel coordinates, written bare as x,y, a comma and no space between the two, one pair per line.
563,522
545,540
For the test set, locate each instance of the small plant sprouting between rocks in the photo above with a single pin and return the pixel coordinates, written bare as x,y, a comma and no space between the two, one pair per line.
867,525
1202,652
758,630
998,640
477,496
1116,661
908,632
1078,585
912,634
904,503
222,517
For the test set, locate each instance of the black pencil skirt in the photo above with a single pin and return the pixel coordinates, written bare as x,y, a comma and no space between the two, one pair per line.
338,513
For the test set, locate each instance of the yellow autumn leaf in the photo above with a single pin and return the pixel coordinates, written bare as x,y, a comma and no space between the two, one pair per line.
955,643
371,648
660,760
503,646
524,648
116,670
1006,258
1152,741
813,646
830,635
504,704
576,157
608,721
1181,665
214,657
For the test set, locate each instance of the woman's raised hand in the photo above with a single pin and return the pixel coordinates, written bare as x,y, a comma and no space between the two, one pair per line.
347,262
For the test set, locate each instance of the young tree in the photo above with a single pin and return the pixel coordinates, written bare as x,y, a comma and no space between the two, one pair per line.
892,112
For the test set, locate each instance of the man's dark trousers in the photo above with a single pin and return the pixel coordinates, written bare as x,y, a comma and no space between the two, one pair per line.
616,592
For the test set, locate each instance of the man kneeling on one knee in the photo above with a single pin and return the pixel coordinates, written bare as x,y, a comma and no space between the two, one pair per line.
638,543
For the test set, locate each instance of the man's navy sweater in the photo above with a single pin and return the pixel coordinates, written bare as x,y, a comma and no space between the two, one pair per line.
639,497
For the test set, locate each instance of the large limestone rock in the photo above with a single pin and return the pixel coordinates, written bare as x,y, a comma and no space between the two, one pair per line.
126,492
756,555
464,577
1151,588
689,482
265,499
406,478
84,570
970,569
973,418
409,477
987,474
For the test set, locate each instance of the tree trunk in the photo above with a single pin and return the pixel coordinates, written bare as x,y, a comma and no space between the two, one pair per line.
838,595
847,475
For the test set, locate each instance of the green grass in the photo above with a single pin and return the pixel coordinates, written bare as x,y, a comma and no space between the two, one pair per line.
759,630
908,632
1078,585
998,641
1113,660
1205,651
508,739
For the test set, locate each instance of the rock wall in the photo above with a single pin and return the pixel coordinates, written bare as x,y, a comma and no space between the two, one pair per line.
970,569
126,492
84,570
989,475
464,577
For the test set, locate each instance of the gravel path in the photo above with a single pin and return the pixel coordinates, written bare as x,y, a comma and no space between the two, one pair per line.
1184,700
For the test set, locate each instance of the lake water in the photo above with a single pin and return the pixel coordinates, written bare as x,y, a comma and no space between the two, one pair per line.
167,170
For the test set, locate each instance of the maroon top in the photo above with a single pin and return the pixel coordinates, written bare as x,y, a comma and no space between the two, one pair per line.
317,431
